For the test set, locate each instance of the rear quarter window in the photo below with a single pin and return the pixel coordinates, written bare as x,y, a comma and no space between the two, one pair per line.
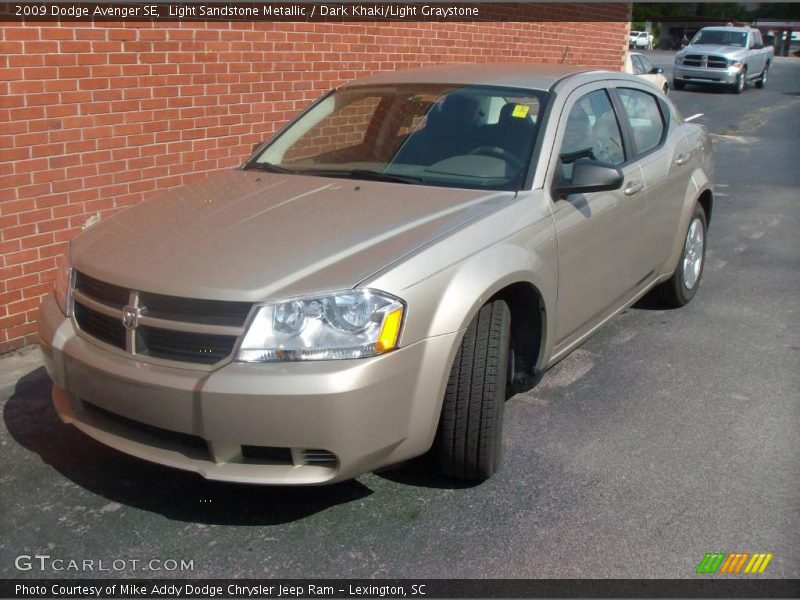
644,117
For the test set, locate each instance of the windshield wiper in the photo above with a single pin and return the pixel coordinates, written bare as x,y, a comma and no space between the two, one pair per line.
265,166
362,174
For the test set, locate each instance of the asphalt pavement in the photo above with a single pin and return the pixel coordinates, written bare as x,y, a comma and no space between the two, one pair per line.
667,435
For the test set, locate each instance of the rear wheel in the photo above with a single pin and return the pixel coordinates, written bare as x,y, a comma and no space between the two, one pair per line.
665,89
682,286
469,439
678,84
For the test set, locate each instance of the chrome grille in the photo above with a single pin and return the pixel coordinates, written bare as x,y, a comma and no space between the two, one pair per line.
701,60
159,327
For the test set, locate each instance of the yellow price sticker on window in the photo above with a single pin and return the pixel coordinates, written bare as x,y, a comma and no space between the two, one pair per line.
520,111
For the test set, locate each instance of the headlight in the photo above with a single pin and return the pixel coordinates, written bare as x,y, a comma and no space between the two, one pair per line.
63,283
678,60
350,324
736,64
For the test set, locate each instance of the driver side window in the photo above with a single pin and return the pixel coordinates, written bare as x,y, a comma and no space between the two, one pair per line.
592,131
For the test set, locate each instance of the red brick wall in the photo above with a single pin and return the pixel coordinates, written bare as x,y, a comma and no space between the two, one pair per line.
95,117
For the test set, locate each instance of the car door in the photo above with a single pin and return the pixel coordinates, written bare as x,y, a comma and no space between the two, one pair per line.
664,162
599,234
756,56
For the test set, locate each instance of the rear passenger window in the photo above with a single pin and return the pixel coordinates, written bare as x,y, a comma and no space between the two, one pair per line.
644,117
638,69
592,128
647,66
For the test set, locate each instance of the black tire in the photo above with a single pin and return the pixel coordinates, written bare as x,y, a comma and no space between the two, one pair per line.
674,292
677,84
469,439
741,83
665,89
762,81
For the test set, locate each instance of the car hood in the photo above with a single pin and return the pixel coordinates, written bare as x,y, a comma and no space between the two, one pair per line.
250,235
713,49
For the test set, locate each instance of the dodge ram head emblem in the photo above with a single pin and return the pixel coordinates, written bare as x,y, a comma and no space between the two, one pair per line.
130,316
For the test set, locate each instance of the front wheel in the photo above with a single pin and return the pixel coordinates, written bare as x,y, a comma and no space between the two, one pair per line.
762,81
741,80
469,439
679,289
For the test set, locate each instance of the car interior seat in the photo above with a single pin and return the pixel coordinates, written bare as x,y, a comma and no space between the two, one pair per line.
449,130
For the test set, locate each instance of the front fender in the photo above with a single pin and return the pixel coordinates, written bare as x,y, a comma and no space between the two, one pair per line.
448,300
476,281
443,304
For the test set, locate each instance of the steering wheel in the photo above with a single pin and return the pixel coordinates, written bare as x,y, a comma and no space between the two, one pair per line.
498,152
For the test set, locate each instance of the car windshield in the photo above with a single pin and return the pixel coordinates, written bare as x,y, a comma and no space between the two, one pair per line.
432,134
719,37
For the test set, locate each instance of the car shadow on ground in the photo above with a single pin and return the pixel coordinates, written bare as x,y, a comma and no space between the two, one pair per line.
423,472
649,302
175,494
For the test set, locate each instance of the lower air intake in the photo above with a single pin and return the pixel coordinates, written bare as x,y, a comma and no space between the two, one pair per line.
318,458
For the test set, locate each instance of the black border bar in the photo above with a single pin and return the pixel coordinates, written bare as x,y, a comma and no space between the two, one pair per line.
317,11
734,587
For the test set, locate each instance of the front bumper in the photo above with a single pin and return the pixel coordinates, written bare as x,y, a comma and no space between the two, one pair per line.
711,76
324,421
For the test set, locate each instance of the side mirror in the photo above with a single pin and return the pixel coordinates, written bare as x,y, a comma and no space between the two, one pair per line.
757,46
656,70
590,176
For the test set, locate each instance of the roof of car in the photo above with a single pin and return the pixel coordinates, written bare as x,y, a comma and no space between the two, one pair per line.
728,28
521,75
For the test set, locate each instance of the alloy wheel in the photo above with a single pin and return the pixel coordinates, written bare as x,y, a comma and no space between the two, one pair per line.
693,254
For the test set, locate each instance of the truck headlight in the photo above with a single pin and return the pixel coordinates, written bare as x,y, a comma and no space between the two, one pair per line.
348,324
63,283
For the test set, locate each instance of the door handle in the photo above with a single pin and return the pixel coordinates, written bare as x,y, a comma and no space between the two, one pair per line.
634,187
682,158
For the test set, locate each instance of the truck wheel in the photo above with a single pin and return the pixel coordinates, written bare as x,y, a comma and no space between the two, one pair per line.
741,80
469,439
682,286
762,81
677,84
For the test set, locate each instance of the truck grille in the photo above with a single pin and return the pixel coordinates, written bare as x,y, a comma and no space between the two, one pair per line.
187,330
712,62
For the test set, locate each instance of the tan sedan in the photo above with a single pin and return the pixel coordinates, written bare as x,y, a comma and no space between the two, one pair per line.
638,64
376,280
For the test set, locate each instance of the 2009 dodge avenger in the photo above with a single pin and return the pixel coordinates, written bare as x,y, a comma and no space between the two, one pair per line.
376,280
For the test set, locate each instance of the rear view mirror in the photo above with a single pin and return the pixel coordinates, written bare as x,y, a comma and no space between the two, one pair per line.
590,176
